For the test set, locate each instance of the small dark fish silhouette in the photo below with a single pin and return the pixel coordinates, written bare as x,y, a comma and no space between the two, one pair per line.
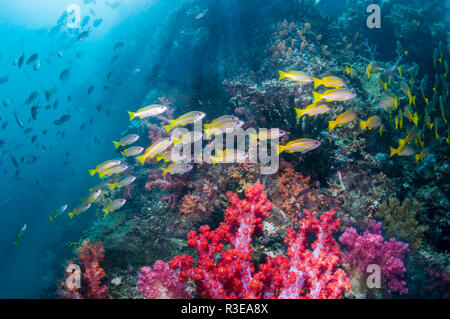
14,161
119,45
33,96
82,126
97,23
85,21
17,120
4,125
55,105
32,58
4,79
90,89
83,35
48,106
69,98
62,119
44,132
21,59
64,75
33,138
34,112
27,131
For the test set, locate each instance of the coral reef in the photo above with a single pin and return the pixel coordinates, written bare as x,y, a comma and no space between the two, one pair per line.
304,273
161,282
399,220
371,249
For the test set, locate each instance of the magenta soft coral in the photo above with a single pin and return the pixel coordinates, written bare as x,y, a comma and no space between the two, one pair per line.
370,248
303,274
161,282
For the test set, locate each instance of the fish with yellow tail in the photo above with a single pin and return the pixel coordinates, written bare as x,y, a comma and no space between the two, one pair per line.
405,88
409,138
441,106
223,127
126,140
312,110
302,145
396,119
265,134
413,117
381,130
57,212
223,118
341,94
170,157
405,151
229,156
104,166
388,102
91,197
20,234
384,82
177,169
374,67
400,49
349,71
115,205
79,210
123,182
401,70
160,146
148,111
371,123
297,76
342,119
422,155
448,136
185,119
436,124
113,170
423,87
329,82
132,151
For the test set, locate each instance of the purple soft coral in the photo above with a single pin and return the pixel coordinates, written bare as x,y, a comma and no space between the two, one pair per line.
370,248
161,282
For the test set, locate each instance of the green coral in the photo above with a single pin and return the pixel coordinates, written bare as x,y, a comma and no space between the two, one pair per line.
399,220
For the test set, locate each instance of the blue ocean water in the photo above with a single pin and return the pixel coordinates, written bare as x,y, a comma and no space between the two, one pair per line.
133,49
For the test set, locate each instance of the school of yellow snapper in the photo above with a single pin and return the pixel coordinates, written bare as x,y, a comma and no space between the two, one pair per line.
336,91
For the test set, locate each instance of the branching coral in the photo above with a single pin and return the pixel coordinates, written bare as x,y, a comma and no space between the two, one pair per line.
303,274
399,220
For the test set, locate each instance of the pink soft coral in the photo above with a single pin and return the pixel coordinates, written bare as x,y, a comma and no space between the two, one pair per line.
370,248
161,282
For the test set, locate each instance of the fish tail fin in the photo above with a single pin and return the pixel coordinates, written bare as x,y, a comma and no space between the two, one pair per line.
253,137
70,215
106,211
168,127
417,157
299,113
393,151
116,144
164,171
102,174
159,157
205,126
279,148
363,124
123,154
132,115
317,97
51,218
281,74
414,100
142,159
92,172
317,82
208,133
175,141
332,125
214,159
111,186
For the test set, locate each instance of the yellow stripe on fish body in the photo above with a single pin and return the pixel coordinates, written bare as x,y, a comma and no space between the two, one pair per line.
150,110
104,166
177,168
371,123
185,119
223,127
329,81
126,140
312,110
342,119
223,118
115,205
264,135
157,147
297,76
302,145
341,94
